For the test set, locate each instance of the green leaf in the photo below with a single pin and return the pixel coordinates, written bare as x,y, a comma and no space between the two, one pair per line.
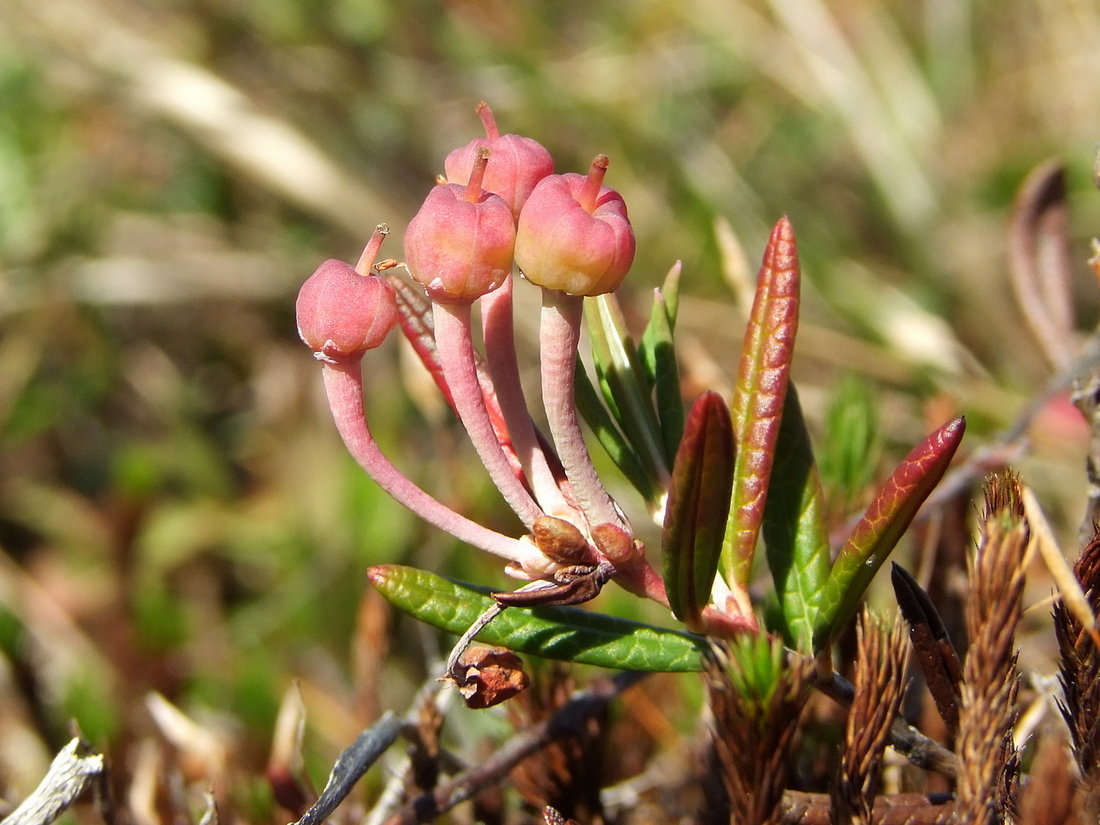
599,420
565,633
757,663
759,396
884,522
795,537
662,321
657,353
698,503
623,381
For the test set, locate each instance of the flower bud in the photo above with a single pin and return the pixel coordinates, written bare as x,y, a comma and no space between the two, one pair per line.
574,234
459,245
516,164
341,313
561,541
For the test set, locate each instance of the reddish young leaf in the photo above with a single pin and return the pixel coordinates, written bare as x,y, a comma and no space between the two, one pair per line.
695,515
882,525
936,655
758,398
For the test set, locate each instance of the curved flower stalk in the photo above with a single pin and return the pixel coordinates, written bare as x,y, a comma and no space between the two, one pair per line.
343,312
574,239
459,247
503,366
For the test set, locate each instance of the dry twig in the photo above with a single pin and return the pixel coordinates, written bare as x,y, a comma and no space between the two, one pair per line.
73,771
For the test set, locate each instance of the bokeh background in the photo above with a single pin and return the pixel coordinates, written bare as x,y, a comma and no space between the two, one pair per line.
176,512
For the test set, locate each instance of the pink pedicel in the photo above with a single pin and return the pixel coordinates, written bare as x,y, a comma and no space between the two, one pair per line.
516,163
574,235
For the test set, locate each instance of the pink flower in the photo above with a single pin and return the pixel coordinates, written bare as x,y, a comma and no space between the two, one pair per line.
574,234
515,166
460,244
342,313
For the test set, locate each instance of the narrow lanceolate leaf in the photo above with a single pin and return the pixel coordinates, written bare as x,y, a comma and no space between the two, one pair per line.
882,525
657,353
936,655
695,516
565,633
758,398
623,382
795,537
607,432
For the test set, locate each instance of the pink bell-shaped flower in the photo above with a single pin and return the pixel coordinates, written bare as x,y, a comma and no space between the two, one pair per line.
517,163
574,234
342,313
459,245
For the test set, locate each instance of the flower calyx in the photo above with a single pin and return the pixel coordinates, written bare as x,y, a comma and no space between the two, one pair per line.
562,541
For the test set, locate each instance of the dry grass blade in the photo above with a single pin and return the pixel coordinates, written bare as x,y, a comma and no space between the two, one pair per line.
1039,261
988,694
755,731
1047,799
879,686
1080,677
1070,592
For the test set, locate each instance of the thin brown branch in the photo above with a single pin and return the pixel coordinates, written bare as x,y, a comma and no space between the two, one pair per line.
907,740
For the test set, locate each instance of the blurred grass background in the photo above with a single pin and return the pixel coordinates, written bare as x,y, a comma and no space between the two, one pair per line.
176,511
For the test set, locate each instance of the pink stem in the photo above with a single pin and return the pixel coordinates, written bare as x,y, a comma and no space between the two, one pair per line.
500,352
456,358
559,337
592,183
477,175
488,120
370,252
344,386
